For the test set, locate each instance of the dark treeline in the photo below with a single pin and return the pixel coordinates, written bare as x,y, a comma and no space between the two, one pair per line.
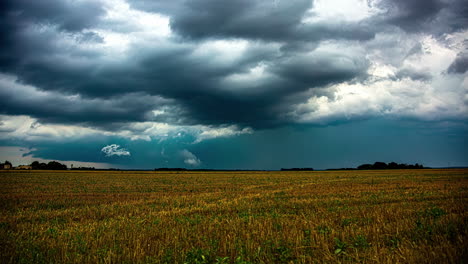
83,168
389,166
384,166
53,165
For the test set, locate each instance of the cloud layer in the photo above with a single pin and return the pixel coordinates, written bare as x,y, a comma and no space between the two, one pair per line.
153,70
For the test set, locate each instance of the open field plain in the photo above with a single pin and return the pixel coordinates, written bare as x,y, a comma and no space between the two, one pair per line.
393,216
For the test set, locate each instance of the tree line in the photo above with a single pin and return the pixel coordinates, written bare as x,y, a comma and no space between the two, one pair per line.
384,166
390,166
52,165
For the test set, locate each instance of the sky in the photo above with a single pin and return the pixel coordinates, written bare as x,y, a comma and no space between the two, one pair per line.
239,84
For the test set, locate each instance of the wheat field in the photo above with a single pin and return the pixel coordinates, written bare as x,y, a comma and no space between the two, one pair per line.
392,216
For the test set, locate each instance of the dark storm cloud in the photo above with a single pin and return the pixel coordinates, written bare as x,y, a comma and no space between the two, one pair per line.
435,16
202,92
282,21
66,15
459,65
196,86
21,22
279,21
324,69
239,18
198,90
411,14
57,108
412,74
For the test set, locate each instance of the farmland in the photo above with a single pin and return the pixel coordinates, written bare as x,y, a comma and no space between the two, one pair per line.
391,216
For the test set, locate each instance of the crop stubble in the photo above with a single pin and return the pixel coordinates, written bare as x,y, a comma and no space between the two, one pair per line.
394,216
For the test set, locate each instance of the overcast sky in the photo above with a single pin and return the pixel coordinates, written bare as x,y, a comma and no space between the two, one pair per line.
234,84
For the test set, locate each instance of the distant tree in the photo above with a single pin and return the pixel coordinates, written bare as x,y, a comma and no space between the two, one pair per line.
38,166
6,165
365,167
392,165
379,165
53,165
35,165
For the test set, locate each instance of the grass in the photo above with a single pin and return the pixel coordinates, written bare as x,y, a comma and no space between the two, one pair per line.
403,216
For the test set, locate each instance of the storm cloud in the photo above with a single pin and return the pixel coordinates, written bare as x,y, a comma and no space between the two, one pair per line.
459,65
138,68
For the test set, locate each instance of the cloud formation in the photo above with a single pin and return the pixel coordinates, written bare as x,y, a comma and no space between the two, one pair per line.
115,150
459,65
189,158
146,70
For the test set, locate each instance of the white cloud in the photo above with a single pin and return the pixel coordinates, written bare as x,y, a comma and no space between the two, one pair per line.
221,52
163,131
229,131
190,158
424,92
30,129
403,98
341,10
27,128
244,81
115,150
123,27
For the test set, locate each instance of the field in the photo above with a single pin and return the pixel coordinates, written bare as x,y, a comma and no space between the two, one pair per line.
402,216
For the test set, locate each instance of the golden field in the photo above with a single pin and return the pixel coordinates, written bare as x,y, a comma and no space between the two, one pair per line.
392,216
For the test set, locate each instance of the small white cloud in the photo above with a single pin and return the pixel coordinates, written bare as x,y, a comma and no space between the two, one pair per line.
115,150
229,131
341,10
190,158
